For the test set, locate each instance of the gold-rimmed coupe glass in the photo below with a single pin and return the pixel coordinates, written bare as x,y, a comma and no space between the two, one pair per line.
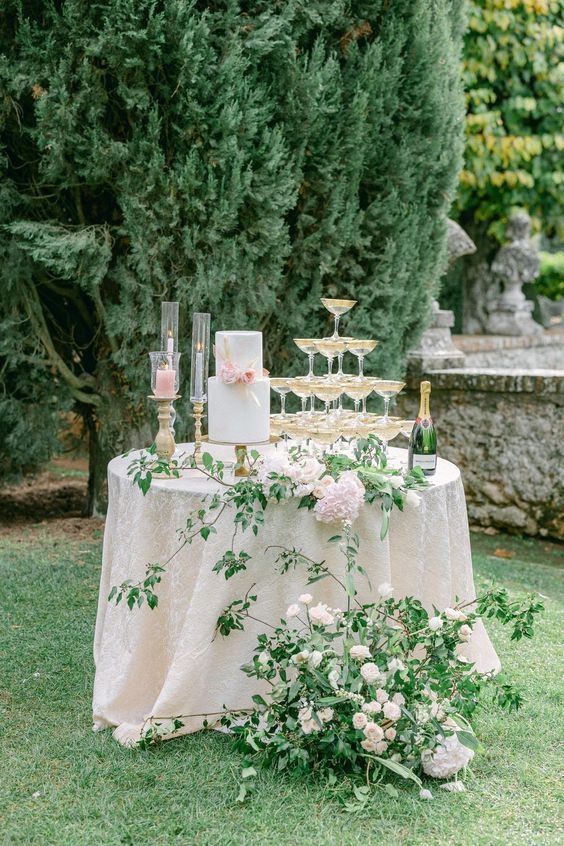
387,388
327,392
282,387
302,387
307,345
358,390
360,348
329,349
407,427
337,308
385,430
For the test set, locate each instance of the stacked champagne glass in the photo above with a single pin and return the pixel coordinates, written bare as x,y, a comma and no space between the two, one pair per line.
335,424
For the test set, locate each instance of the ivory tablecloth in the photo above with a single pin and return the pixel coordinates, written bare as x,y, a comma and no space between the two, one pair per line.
166,662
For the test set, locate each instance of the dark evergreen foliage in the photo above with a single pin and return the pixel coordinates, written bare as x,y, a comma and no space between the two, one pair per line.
242,157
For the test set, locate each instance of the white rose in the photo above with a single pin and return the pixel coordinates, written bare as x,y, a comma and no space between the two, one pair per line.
465,632
396,481
398,698
325,715
435,623
305,598
453,786
315,659
301,657
395,664
390,734
306,471
452,614
392,711
359,651
333,679
263,659
380,747
373,732
413,499
381,696
369,672
310,726
304,713
293,610
320,489
359,720
319,614
385,590
368,745
372,707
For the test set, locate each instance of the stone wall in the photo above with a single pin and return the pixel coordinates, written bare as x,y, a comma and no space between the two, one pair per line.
505,430
544,350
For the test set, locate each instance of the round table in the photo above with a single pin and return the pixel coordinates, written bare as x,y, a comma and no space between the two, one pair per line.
166,662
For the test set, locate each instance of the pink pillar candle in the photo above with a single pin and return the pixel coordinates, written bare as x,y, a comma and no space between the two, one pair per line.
165,378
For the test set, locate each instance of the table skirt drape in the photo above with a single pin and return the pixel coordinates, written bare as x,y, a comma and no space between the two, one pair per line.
167,662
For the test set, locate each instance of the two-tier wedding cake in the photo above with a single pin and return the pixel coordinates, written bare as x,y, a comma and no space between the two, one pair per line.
239,393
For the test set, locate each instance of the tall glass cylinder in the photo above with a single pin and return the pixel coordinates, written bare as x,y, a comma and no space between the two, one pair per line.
169,327
200,357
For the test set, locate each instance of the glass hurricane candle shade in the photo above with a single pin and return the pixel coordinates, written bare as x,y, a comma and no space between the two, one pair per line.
165,372
200,363
169,327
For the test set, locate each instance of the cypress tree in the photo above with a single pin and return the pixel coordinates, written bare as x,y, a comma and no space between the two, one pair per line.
245,158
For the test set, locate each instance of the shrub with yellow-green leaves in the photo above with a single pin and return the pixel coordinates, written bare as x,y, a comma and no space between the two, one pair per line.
513,78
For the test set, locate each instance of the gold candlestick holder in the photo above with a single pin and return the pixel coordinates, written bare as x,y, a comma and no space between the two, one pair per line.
164,440
198,415
241,469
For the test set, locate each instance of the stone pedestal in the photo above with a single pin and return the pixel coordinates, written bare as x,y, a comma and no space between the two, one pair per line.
507,318
436,350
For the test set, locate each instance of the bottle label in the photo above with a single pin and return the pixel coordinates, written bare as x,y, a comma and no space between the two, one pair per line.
426,462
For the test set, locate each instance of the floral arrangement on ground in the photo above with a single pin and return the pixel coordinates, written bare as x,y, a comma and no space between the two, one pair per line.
366,692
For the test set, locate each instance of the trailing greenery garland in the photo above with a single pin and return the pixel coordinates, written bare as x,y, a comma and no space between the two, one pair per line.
365,690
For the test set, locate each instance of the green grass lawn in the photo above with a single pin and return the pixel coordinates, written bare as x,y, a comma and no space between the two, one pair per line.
91,791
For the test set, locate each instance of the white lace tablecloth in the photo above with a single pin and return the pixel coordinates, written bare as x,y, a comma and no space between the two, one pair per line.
166,662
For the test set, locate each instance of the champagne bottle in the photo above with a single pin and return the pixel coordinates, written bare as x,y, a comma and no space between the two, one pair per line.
423,438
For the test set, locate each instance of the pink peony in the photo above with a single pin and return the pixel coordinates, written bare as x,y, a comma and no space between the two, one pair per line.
228,372
248,377
342,499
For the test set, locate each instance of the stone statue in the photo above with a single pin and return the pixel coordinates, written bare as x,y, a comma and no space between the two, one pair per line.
515,263
459,243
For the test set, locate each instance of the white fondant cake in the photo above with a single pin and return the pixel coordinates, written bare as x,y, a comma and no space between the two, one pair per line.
238,413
